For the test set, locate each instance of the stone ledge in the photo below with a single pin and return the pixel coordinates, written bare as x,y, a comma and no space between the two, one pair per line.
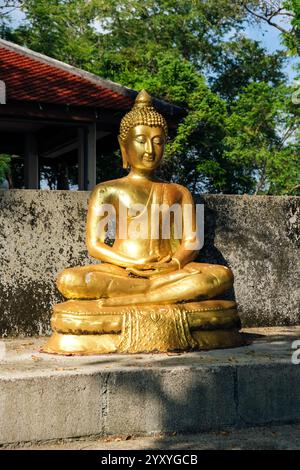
42,232
44,397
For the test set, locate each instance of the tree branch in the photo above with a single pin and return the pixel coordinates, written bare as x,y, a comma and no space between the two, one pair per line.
268,20
287,134
297,186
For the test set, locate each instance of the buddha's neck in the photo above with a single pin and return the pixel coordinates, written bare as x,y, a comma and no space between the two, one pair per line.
141,174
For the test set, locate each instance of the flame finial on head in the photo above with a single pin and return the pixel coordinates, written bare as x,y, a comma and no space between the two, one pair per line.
142,113
143,99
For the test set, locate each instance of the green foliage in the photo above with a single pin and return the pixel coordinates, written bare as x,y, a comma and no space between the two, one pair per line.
243,61
292,38
61,29
261,134
4,165
241,133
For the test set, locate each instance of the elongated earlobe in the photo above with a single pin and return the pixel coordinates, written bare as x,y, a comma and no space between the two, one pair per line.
123,153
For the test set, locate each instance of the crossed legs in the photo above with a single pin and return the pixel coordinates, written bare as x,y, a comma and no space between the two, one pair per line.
113,286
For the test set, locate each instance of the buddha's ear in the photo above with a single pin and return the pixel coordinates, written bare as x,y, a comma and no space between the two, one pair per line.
123,152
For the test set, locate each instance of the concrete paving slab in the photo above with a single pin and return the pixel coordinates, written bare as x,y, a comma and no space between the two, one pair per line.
285,437
44,397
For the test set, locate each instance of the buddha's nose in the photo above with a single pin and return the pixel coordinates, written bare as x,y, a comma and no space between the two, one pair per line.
149,148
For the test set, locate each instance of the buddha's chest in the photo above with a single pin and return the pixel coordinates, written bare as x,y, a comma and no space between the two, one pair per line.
133,196
145,196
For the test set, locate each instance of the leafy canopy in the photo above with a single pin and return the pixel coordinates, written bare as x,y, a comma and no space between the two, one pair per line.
241,133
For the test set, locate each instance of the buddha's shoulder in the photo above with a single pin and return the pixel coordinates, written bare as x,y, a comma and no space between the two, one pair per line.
108,188
178,188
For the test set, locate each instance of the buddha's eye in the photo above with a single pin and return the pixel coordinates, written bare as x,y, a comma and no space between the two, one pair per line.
140,139
158,141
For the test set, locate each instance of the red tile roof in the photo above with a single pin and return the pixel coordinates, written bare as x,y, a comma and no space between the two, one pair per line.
33,77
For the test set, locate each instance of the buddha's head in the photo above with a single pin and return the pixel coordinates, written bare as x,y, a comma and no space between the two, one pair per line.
143,133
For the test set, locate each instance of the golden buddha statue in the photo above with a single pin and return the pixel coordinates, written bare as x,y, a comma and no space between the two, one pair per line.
147,294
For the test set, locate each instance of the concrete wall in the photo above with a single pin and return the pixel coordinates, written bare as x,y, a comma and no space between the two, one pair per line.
42,232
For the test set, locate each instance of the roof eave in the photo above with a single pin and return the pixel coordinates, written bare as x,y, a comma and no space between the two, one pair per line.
162,105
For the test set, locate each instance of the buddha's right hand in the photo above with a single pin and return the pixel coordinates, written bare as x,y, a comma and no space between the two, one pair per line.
147,269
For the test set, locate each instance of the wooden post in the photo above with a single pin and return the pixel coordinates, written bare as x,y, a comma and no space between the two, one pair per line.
31,162
81,160
91,156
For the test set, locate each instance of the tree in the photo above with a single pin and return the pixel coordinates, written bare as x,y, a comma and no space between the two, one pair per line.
283,15
243,61
263,135
59,28
194,54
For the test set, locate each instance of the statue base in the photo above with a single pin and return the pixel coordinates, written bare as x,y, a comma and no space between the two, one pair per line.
85,327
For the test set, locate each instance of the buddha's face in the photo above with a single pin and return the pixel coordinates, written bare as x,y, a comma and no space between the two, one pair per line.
144,147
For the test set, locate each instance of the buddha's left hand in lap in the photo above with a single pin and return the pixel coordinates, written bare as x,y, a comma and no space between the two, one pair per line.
154,269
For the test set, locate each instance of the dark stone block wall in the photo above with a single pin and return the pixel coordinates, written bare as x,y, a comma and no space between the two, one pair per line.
259,238
42,232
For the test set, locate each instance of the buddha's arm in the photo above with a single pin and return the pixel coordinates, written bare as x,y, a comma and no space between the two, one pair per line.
95,231
186,251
